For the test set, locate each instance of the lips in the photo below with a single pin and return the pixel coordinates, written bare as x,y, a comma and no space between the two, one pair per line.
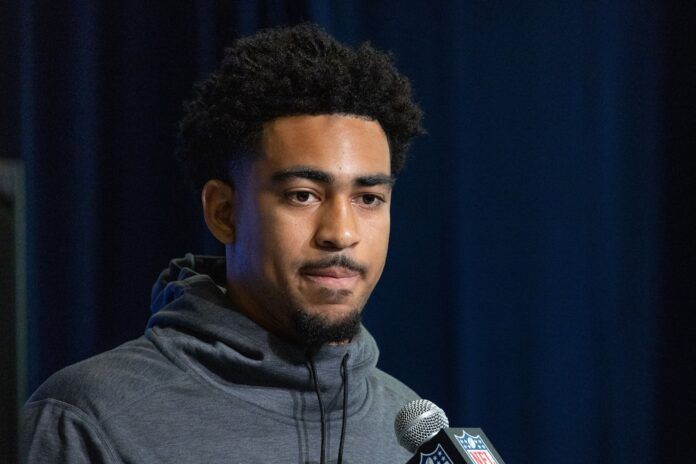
332,277
335,272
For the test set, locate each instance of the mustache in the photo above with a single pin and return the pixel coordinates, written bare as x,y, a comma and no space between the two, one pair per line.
334,261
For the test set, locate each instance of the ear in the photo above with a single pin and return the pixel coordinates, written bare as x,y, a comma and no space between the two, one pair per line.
218,209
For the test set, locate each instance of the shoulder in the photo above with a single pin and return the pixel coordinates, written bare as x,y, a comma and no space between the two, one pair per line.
108,382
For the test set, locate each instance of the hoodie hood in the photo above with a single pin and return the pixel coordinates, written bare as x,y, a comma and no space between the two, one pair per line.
194,324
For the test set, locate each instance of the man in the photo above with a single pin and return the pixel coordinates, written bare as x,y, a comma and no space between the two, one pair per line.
260,356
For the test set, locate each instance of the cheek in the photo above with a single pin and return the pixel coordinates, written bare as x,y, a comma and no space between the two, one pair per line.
377,229
380,244
377,243
284,238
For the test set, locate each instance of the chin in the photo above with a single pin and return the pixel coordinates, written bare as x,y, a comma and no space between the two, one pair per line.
316,329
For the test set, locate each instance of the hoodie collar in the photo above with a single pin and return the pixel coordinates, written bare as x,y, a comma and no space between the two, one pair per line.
194,323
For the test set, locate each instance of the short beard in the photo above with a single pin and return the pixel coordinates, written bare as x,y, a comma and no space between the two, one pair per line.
314,331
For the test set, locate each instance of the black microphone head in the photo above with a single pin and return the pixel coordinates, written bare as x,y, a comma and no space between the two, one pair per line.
418,422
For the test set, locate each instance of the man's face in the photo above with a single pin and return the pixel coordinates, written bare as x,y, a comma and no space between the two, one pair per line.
312,225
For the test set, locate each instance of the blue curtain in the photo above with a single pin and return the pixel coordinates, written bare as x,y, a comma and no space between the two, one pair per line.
522,290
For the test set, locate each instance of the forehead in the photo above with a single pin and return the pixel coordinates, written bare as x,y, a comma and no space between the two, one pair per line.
340,144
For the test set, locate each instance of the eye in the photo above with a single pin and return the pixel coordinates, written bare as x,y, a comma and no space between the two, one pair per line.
301,197
370,199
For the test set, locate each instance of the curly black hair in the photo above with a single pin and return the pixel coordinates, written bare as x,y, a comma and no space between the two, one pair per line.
290,71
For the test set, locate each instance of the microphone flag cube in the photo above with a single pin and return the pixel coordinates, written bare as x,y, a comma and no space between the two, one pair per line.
454,445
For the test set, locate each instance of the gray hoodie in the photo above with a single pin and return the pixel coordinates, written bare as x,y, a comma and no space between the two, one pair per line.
204,384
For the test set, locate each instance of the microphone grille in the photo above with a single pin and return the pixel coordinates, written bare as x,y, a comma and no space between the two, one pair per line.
418,422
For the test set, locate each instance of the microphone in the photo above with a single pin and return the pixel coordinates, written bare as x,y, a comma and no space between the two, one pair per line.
423,428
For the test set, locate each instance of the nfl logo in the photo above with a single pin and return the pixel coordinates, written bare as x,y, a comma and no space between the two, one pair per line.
476,448
438,456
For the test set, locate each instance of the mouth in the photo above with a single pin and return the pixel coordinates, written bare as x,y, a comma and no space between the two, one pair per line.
338,278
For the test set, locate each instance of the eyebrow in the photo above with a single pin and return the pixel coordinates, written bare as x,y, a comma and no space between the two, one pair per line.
376,179
303,172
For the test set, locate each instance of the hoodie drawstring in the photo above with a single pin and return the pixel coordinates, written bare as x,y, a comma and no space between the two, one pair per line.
344,375
344,365
313,370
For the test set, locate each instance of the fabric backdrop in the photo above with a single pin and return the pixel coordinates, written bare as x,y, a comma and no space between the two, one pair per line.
523,286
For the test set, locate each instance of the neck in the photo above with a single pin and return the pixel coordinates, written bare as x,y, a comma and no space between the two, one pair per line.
243,301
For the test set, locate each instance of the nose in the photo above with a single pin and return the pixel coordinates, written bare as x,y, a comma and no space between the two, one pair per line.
337,228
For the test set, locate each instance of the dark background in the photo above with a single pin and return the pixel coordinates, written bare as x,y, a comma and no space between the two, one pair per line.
540,283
